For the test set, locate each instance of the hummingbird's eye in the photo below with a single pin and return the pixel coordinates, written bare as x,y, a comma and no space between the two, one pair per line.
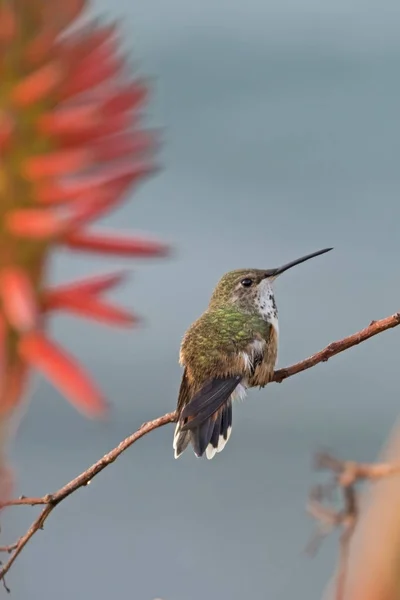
246,282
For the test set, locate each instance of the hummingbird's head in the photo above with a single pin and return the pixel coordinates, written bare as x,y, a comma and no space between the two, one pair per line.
251,289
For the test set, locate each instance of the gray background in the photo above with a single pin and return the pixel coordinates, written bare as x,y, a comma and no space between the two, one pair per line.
282,136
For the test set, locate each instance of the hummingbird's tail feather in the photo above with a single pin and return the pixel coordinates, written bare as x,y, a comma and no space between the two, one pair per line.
181,440
206,419
208,438
221,431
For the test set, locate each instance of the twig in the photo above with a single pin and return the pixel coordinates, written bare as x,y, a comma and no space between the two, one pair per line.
5,586
9,548
347,474
334,348
52,500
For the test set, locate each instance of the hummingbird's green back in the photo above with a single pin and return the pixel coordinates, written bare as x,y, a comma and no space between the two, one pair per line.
214,342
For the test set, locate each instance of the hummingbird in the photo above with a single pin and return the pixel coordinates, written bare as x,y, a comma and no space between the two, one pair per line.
233,346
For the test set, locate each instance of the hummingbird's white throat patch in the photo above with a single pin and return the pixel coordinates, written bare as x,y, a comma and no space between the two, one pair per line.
266,304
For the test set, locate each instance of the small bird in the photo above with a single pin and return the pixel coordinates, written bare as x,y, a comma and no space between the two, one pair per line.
231,347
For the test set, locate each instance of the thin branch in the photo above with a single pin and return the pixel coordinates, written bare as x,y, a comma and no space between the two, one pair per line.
52,500
23,540
334,348
24,500
9,548
347,474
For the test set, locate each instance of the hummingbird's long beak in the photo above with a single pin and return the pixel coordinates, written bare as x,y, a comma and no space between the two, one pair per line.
279,270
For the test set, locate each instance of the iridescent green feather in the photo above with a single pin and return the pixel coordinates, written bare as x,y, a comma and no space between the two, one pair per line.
219,334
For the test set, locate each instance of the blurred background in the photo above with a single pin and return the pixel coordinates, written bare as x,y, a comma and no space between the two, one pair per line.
281,136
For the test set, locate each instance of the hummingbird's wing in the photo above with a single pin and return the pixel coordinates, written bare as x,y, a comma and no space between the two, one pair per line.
184,392
182,438
208,400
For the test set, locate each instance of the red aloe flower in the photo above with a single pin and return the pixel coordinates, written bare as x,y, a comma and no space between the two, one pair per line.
70,150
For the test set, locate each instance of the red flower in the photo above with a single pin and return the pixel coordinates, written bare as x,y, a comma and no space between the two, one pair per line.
71,149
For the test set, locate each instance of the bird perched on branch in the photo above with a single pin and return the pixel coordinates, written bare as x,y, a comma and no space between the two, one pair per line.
231,347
